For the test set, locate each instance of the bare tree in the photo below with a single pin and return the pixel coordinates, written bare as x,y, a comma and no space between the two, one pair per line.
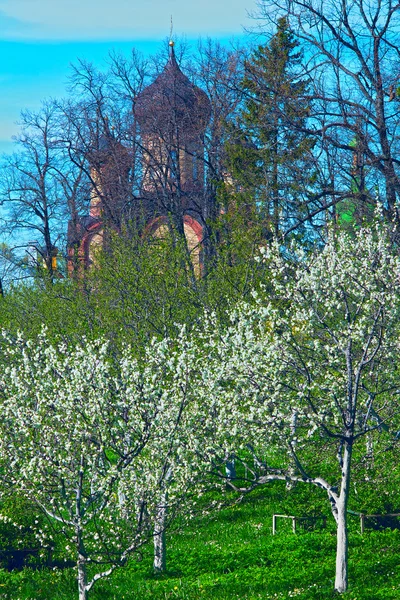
219,71
137,148
353,63
38,186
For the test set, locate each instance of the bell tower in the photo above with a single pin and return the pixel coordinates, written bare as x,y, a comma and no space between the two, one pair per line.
172,115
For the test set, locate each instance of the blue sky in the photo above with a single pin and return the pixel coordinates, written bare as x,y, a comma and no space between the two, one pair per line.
41,38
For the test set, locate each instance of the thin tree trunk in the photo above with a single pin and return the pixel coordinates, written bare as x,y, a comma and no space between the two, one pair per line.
81,562
290,484
160,548
369,447
230,468
342,547
275,180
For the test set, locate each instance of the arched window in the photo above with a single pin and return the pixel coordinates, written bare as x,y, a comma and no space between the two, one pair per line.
95,246
193,233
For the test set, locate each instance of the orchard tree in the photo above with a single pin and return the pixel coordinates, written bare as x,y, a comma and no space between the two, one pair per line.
93,444
309,371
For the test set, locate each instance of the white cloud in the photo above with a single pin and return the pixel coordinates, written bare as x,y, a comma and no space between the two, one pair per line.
121,19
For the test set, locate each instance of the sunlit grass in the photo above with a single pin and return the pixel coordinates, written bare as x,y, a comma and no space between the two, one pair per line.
234,555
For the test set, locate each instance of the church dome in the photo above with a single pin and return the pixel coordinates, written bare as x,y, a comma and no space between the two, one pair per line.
172,103
104,146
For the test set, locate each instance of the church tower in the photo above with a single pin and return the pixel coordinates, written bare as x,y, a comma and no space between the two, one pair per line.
109,164
172,115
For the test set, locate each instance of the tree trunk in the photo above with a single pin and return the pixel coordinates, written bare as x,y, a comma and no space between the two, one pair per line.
342,546
275,179
160,548
82,579
81,561
230,468
290,484
341,578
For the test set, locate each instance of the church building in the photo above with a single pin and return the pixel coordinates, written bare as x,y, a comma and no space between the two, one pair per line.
170,118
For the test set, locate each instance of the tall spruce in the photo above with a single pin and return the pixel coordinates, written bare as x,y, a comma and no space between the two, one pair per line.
269,156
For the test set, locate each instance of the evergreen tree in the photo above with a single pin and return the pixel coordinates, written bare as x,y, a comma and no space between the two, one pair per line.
269,156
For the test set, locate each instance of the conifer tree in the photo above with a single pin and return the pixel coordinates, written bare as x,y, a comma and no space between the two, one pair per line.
269,156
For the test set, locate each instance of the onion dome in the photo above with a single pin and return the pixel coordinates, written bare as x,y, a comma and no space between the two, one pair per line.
172,103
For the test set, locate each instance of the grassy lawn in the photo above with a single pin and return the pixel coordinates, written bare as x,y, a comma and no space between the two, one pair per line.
234,555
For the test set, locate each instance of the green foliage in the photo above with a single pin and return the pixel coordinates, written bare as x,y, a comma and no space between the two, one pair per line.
19,545
140,288
62,308
235,272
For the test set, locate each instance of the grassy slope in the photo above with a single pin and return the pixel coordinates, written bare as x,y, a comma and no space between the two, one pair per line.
233,555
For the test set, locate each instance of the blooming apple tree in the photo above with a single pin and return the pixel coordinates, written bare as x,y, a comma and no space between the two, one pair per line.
93,442
310,369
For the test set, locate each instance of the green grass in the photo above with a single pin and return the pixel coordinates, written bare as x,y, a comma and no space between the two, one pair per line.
234,555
